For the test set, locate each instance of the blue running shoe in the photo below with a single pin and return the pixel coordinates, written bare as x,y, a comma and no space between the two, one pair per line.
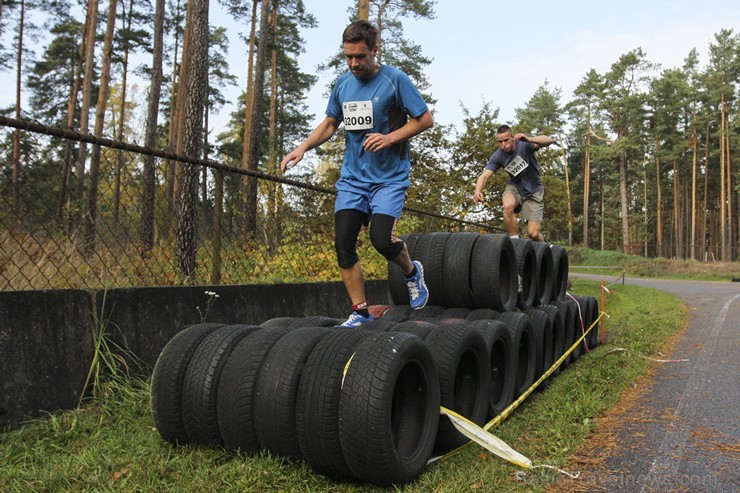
418,292
355,320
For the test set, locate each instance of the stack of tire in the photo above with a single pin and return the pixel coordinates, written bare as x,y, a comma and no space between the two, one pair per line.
354,404
470,270
363,404
519,284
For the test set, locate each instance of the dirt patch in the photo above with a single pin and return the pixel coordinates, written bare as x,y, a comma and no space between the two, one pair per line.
714,440
625,417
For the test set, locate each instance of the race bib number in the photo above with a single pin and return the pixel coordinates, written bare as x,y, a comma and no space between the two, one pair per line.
516,166
358,115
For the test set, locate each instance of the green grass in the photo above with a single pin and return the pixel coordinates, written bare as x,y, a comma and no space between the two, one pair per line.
636,266
111,444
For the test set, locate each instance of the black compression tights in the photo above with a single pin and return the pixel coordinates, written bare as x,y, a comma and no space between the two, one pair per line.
347,225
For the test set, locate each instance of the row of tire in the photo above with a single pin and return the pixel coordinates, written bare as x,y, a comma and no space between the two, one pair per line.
358,404
493,271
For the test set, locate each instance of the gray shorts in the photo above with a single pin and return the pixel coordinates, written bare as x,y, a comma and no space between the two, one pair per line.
532,207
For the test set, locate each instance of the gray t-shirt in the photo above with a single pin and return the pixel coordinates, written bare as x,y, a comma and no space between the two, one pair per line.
522,166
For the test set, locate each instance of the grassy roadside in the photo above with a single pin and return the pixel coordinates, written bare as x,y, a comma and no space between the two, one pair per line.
636,266
111,444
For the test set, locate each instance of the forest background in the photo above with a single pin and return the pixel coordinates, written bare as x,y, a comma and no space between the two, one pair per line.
645,163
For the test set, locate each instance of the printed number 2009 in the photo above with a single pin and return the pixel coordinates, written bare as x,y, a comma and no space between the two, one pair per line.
358,120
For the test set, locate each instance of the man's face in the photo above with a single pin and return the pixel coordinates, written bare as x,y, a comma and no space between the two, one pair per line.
506,141
360,59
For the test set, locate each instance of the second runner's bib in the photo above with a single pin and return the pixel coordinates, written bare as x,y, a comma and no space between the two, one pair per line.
516,166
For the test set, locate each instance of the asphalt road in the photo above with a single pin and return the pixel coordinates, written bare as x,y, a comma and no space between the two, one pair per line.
686,431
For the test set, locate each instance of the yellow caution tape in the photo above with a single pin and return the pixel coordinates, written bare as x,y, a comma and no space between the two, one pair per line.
486,440
481,435
494,444
489,441
507,412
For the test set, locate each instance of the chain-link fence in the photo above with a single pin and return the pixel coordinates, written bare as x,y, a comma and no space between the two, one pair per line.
81,212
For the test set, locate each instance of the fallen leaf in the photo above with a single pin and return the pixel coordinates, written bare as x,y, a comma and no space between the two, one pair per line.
118,475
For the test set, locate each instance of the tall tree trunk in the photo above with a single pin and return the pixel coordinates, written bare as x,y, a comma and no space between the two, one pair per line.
279,202
183,83
706,195
659,204
685,209
587,180
248,111
381,11
363,10
253,156
602,228
677,224
672,234
716,251
713,234
126,23
90,35
92,193
645,216
205,212
206,149
195,58
733,187
722,197
272,159
68,147
17,133
692,253
218,214
172,128
730,233
150,139
625,204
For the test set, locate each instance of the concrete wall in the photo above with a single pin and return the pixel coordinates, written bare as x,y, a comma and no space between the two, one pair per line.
46,346
47,337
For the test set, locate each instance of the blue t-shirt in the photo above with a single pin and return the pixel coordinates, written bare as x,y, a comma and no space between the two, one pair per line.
379,104
528,179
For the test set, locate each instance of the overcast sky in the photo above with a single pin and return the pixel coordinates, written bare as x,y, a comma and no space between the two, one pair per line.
500,52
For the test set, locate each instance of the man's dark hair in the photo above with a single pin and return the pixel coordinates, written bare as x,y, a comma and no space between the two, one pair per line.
503,129
361,31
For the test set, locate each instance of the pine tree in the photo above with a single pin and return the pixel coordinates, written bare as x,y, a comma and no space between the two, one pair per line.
129,39
92,192
284,90
623,103
669,92
583,112
52,77
21,26
89,36
195,59
723,78
146,228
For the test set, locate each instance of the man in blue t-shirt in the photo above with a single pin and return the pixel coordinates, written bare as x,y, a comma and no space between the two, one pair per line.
524,192
374,102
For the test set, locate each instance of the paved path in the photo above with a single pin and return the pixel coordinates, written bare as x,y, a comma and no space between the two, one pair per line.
688,434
